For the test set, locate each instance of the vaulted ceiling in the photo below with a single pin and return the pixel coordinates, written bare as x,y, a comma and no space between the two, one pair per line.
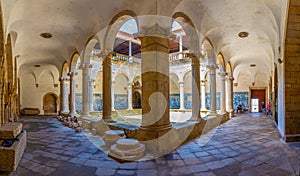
72,23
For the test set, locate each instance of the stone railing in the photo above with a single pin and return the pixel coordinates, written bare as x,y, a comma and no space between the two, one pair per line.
181,57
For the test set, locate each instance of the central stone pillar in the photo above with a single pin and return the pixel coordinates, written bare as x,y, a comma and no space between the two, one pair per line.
203,90
229,103
195,88
85,89
129,92
155,89
91,95
107,84
64,86
213,89
181,92
222,74
72,93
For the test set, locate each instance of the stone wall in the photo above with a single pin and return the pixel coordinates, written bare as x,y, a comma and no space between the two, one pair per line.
292,73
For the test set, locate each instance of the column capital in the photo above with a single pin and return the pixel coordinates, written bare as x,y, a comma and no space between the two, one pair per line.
72,74
203,81
155,31
212,66
92,81
85,66
63,79
181,82
229,78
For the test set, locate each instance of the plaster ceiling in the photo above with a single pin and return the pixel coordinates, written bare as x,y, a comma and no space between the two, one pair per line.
73,22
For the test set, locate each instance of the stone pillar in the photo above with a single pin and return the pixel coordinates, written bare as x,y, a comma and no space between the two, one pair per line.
180,47
72,93
85,89
195,88
229,89
129,93
64,92
223,91
203,96
181,91
91,95
155,81
107,85
213,89
113,95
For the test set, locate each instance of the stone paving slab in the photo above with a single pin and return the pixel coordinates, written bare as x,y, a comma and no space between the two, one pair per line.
248,144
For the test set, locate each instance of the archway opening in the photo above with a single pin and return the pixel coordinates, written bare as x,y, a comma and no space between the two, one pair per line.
50,103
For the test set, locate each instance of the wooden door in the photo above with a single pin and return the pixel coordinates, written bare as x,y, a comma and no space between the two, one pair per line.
50,104
259,94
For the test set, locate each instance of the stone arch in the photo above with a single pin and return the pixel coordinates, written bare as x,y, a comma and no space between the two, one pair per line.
115,24
189,28
64,70
74,61
87,50
229,69
208,48
221,61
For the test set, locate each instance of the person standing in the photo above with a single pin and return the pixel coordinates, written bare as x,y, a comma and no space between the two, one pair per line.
263,107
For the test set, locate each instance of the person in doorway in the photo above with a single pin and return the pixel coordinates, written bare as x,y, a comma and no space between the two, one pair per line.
263,107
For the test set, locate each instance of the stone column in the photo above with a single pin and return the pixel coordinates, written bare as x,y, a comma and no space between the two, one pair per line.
107,85
195,88
113,95
181,91
64,91
91,95
213,89
155,79
85,89
180,47
223,92
229,103
203,96
129,93
72,93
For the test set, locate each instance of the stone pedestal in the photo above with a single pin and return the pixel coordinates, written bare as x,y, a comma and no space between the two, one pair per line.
111,137
127,150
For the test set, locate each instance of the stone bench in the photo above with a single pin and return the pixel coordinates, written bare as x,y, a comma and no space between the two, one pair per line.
10,130
30,111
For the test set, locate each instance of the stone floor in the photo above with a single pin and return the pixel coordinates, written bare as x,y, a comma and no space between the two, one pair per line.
248,144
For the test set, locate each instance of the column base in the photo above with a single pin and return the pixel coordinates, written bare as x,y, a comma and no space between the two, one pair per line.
108,119
72,113
212,113
156,139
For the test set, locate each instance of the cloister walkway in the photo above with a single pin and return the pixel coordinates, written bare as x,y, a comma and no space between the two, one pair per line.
248,144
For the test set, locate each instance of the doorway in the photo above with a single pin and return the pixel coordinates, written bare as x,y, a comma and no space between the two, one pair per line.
136,100
50,105
260,95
